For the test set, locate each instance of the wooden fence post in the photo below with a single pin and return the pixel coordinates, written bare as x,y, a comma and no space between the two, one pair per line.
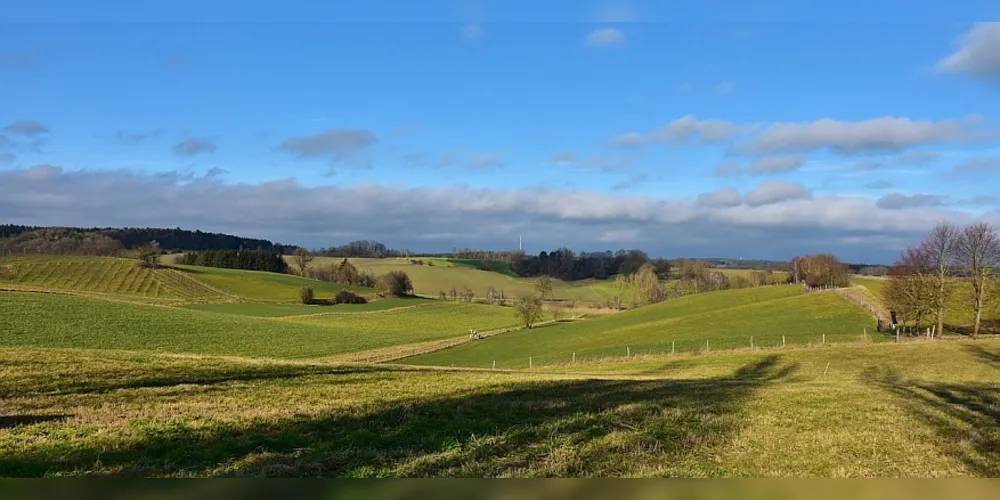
751,342
824,339
530,363
628,352
782,341
672,346
494,364
574,357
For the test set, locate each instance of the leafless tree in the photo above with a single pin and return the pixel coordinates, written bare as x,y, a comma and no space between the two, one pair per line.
911,286
302,259
939,248
978,257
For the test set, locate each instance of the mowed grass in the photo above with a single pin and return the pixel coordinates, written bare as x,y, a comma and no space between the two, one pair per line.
265,286
269,310
725,319
49,320
104,275
909,410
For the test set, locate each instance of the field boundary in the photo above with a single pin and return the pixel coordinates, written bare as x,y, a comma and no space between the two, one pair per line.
394,353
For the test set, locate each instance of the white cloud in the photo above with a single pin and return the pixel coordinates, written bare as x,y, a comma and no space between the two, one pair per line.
605,37
978,52
775,217
725,88
887,133
776,191
776,164
898,201
689,127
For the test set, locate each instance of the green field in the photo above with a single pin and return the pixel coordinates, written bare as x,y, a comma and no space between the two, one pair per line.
104,275
725,319
264,286
910,410
958,311
48,320
284,310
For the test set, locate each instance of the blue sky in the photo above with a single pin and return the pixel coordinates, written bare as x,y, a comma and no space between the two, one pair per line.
719,129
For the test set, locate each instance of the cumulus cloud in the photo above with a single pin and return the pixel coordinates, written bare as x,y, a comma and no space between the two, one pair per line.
725,88
473,32
629,140
27,128
775,220
776,164
977,165
898,201
776,191
887,133
978,52
335,144
689,127
605,37
725,197
728,169
194,146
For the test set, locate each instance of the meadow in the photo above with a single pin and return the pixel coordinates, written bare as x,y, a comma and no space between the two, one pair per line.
51,320
262,286
926,409
726,320
270,310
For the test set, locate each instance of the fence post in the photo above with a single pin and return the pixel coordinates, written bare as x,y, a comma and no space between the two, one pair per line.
530,363
897,335
672,346
494,364
628,352
782,341
574,357
824,339
706,345
751,342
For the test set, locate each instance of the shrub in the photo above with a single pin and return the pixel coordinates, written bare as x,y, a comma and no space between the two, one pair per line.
394,283
348,297
307,295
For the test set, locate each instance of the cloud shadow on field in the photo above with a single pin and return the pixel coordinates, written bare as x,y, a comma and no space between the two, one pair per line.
965,417
588,427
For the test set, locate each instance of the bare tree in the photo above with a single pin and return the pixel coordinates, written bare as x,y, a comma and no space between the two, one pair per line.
911,286
940,250
302,259
544,286
978,256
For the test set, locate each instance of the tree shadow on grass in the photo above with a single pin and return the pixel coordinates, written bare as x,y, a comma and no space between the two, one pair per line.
11,421
966,417
173,376
534,428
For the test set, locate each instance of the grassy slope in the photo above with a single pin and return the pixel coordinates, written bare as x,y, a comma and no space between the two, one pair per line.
45,320
285,310
886,410
264,286
726,319
958,309
103,275
444,274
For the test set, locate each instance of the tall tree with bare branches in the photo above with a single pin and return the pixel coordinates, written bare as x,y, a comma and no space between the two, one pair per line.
911,286
978,257
940,249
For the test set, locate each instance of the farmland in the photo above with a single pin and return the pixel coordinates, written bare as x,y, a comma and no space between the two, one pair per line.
49,320
725,319
104,275
263,286
285,310
921,409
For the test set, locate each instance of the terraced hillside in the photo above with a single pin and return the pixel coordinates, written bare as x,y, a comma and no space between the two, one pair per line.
725,319
49,320
104,275
264,286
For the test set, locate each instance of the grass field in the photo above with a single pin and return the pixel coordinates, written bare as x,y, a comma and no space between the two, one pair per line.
922,409
958,310
48,320
285,310
726,319
104,275
264,286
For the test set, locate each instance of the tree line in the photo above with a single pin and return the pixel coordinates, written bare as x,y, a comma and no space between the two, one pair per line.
950,259
363,249
100,241
252,260
567,265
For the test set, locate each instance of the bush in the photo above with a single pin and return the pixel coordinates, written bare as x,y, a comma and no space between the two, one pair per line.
347,297
307,295
395,284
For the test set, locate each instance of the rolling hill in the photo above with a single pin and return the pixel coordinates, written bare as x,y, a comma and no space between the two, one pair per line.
725,319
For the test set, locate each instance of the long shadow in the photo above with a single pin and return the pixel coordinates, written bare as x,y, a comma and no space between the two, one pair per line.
11,421
176,376
534,428
984,355
966,417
